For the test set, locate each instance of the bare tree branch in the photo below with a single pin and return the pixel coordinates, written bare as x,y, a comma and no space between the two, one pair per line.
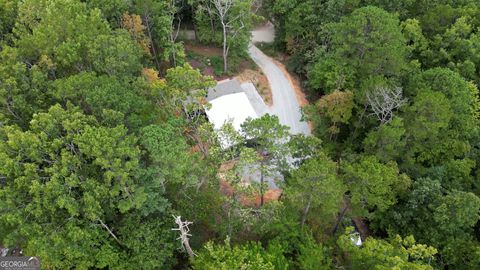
110,231
384,101
222,8
183,229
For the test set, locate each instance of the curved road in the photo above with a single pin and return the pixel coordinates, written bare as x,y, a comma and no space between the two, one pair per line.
285,103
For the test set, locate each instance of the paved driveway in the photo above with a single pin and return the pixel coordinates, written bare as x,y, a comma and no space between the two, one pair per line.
285,104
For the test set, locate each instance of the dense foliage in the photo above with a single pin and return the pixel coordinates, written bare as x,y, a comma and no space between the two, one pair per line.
103,139
394,86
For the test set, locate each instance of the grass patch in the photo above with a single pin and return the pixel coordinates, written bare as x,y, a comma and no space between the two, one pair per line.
209,64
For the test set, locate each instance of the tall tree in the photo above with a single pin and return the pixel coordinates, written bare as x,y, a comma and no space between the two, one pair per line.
158,17
330,112
82,190
397,253
249,256
315,185
133,24
373,186
65,37
269,140
452,214
368,42
23,91
236,20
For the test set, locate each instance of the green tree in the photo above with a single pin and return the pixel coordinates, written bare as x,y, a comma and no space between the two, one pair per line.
269,140
425,120
444,112
8,15
22,91
397,253
106,97
82,190
226,23
386,142
373,186
250,256
369,42
315,186
335,109
314,256
185,83
64,37
112,10
158,18
452,214
170,161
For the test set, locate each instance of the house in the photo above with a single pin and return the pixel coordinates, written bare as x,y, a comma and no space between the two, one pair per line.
233,102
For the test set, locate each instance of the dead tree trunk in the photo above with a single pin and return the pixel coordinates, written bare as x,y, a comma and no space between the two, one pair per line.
384,100
110,231
183,229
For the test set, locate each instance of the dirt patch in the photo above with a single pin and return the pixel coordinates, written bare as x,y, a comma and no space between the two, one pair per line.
260,81
255,201
250,200
195,64
204,50
209,60
207,70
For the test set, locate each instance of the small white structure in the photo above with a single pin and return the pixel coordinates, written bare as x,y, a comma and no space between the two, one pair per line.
234,107
356,239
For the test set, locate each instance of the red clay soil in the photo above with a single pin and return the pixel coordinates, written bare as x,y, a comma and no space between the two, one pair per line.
251,201
269,196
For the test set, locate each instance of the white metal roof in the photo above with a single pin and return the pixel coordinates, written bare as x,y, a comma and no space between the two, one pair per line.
234,107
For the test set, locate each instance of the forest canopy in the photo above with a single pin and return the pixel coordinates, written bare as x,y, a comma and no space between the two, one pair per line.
107,160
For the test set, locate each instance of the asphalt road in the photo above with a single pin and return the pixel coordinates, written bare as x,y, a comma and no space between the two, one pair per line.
285,104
